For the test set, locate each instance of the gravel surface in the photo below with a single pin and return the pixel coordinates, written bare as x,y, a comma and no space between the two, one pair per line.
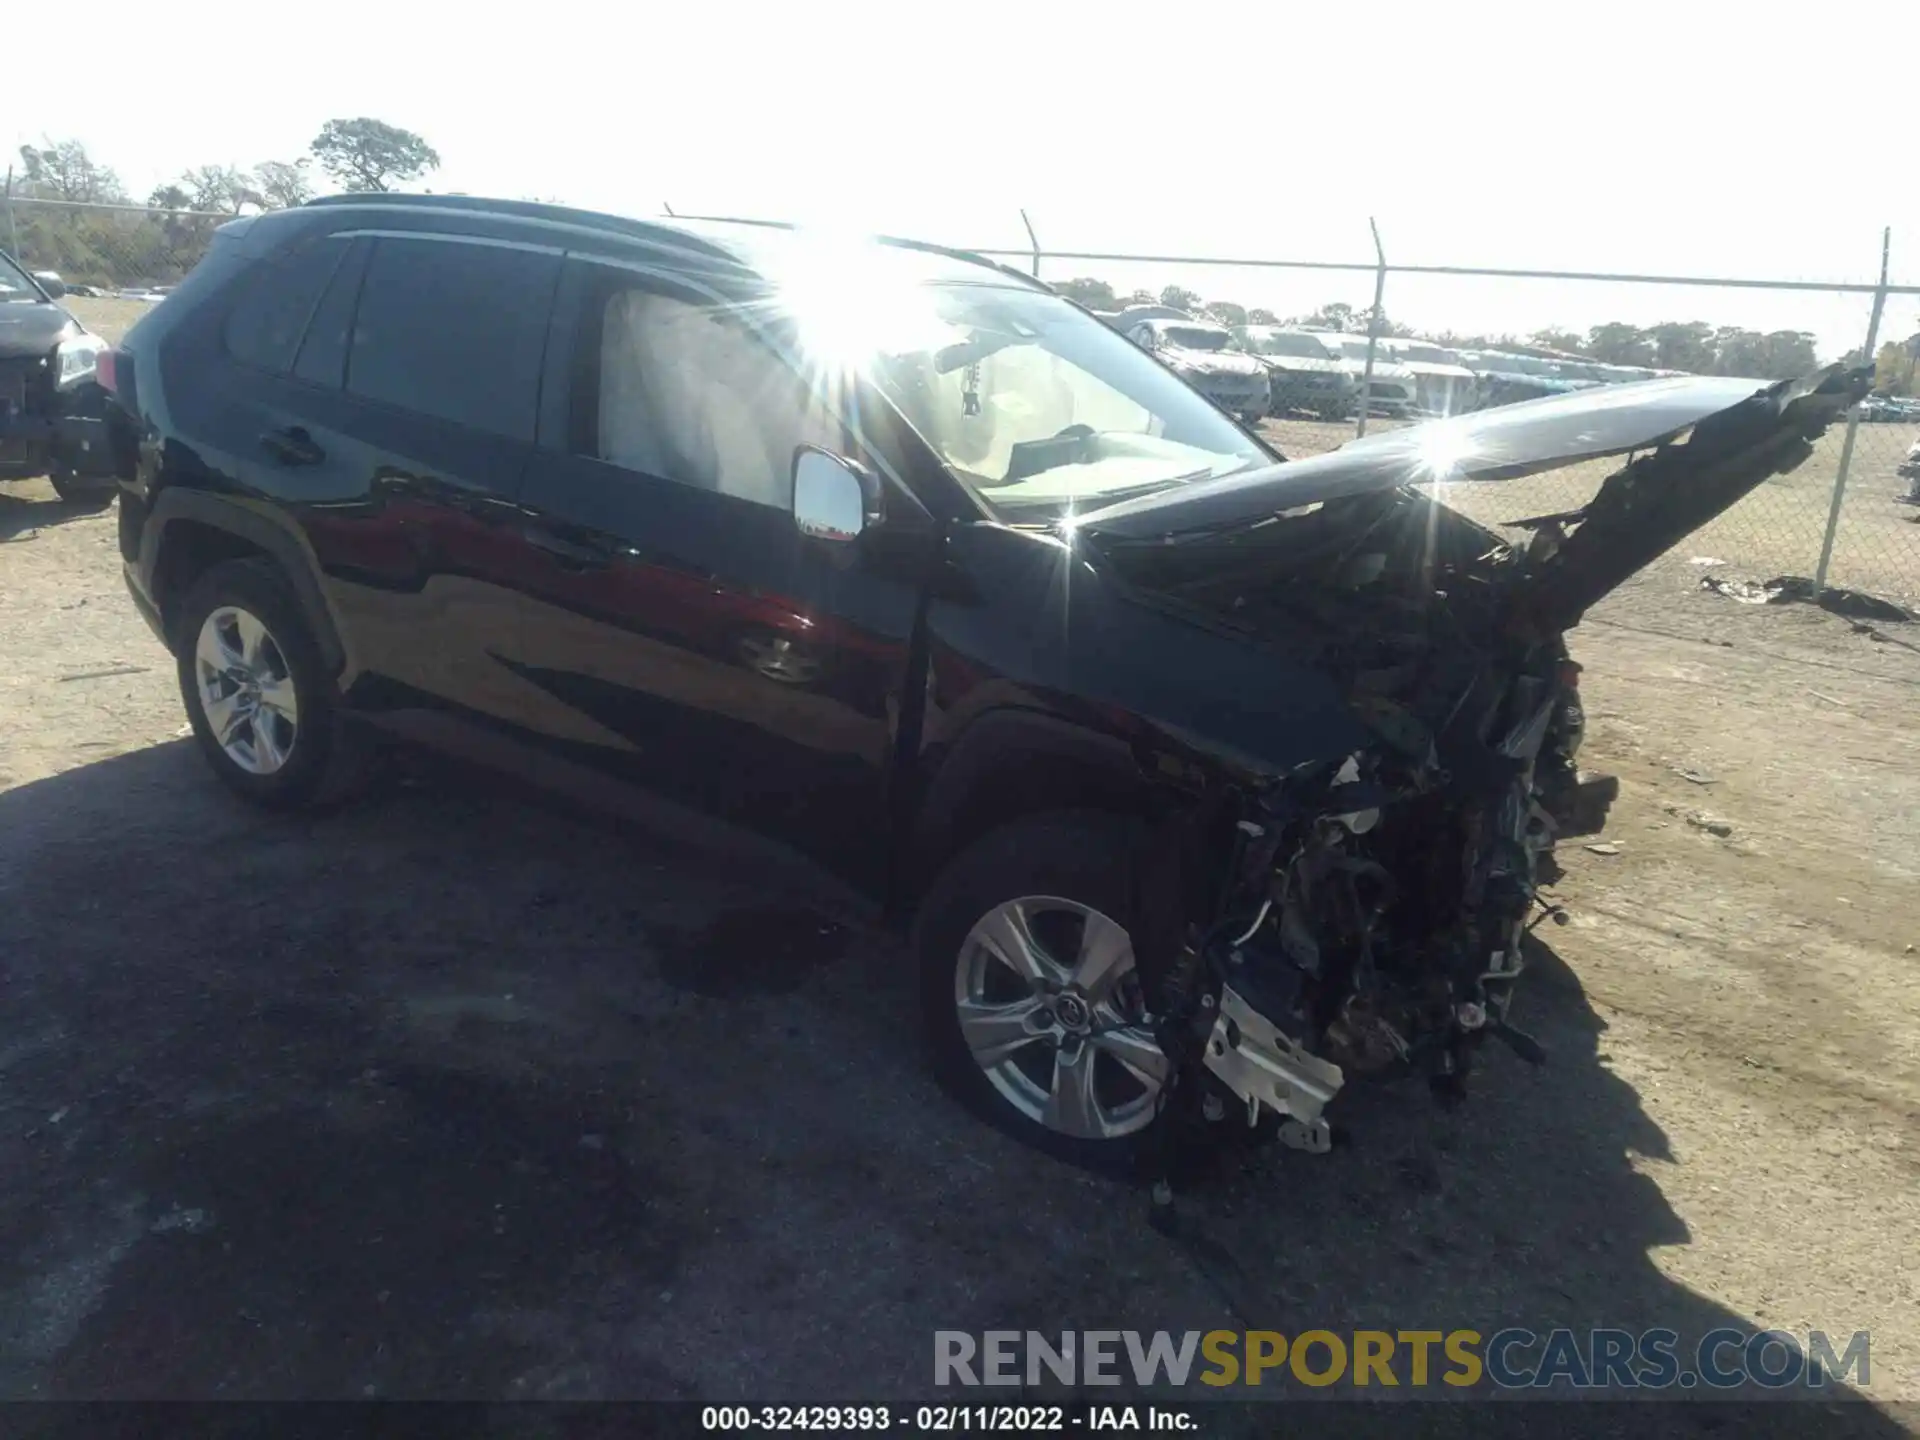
459,1093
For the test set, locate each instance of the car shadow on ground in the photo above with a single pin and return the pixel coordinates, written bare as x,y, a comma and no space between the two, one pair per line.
20,514
449,1094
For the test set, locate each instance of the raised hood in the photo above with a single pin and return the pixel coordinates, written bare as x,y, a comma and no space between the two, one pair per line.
1736,433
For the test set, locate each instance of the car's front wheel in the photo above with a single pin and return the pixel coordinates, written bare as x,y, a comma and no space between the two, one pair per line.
96,494
257,694
1035,1009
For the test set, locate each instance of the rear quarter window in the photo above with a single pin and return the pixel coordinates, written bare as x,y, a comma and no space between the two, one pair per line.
455,330
276,300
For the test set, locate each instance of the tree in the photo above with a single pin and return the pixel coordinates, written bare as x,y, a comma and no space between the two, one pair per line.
1226,312
1094,294
1615,343
369,155
282,184
1257,316
1684,345
1335,316
218,190
1554,338
62,170
1179,298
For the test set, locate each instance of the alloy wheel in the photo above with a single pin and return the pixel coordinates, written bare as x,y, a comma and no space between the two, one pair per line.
1049,1005
246,690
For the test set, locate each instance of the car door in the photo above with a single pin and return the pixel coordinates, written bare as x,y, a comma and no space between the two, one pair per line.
730,664
404,426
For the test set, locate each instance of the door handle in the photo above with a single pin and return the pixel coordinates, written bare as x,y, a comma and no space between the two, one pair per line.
571,553
292,445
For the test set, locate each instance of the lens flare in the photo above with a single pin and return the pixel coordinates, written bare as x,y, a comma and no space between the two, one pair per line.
853,299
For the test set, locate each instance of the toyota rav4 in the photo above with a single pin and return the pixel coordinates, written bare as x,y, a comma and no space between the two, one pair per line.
1208,781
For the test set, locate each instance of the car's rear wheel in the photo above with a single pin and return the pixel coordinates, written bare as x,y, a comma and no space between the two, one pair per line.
1034,1006
262,707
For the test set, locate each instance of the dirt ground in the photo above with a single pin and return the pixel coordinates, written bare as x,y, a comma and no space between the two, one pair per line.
455,1093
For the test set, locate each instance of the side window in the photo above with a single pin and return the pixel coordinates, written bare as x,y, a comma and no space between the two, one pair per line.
264,327
323,353
688,393
454,330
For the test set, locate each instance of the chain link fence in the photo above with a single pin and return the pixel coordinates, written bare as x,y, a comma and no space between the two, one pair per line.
1848,516
114,259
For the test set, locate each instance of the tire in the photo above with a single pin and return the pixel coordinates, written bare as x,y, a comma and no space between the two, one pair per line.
1070,874
319,760
95,494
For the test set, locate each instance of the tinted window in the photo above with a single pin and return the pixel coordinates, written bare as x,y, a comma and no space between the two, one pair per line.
688,393
264,328
453,330
323,353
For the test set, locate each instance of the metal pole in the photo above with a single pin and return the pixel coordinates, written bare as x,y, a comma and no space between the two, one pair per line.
669,209
13,230
1035,239
1853,420
1373,329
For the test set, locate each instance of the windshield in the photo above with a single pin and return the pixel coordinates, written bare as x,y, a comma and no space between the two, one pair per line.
1285,342
1036,406
14,284
1196,337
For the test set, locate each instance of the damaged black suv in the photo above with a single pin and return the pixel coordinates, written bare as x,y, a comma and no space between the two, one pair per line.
51,408
1206,780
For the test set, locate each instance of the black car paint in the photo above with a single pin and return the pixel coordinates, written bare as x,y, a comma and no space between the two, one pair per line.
524,593
521,601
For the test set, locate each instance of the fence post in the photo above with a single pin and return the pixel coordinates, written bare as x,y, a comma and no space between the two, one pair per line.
1034,240
1373,330
13,230
1853,420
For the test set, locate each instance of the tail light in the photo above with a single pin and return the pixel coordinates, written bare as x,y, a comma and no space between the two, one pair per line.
105,370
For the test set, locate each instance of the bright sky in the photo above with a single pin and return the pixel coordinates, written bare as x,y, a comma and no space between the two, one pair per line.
1680,137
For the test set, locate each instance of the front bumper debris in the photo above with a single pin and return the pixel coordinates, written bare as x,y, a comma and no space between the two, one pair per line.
31,443
1250,1056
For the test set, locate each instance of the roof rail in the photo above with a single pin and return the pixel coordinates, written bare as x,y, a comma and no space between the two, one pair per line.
531,210
899,242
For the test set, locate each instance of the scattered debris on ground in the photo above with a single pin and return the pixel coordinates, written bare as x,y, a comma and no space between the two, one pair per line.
1785,589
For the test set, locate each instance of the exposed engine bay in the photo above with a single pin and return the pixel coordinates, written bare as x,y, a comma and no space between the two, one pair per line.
1376,904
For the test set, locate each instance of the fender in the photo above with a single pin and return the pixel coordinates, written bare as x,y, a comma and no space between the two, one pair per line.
264,528
1009,762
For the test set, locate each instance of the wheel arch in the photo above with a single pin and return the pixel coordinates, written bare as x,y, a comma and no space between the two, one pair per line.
1008,764
191,531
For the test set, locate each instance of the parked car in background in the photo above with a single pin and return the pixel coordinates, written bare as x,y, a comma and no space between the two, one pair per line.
1394,389
1443,383
1303,373
1880,409
1203,354
50,405
1504,379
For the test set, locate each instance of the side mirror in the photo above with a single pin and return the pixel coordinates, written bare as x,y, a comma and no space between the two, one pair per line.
832,498
53,285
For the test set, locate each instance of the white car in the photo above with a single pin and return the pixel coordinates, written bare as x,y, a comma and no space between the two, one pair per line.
1203,354
1395,389
1443,384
